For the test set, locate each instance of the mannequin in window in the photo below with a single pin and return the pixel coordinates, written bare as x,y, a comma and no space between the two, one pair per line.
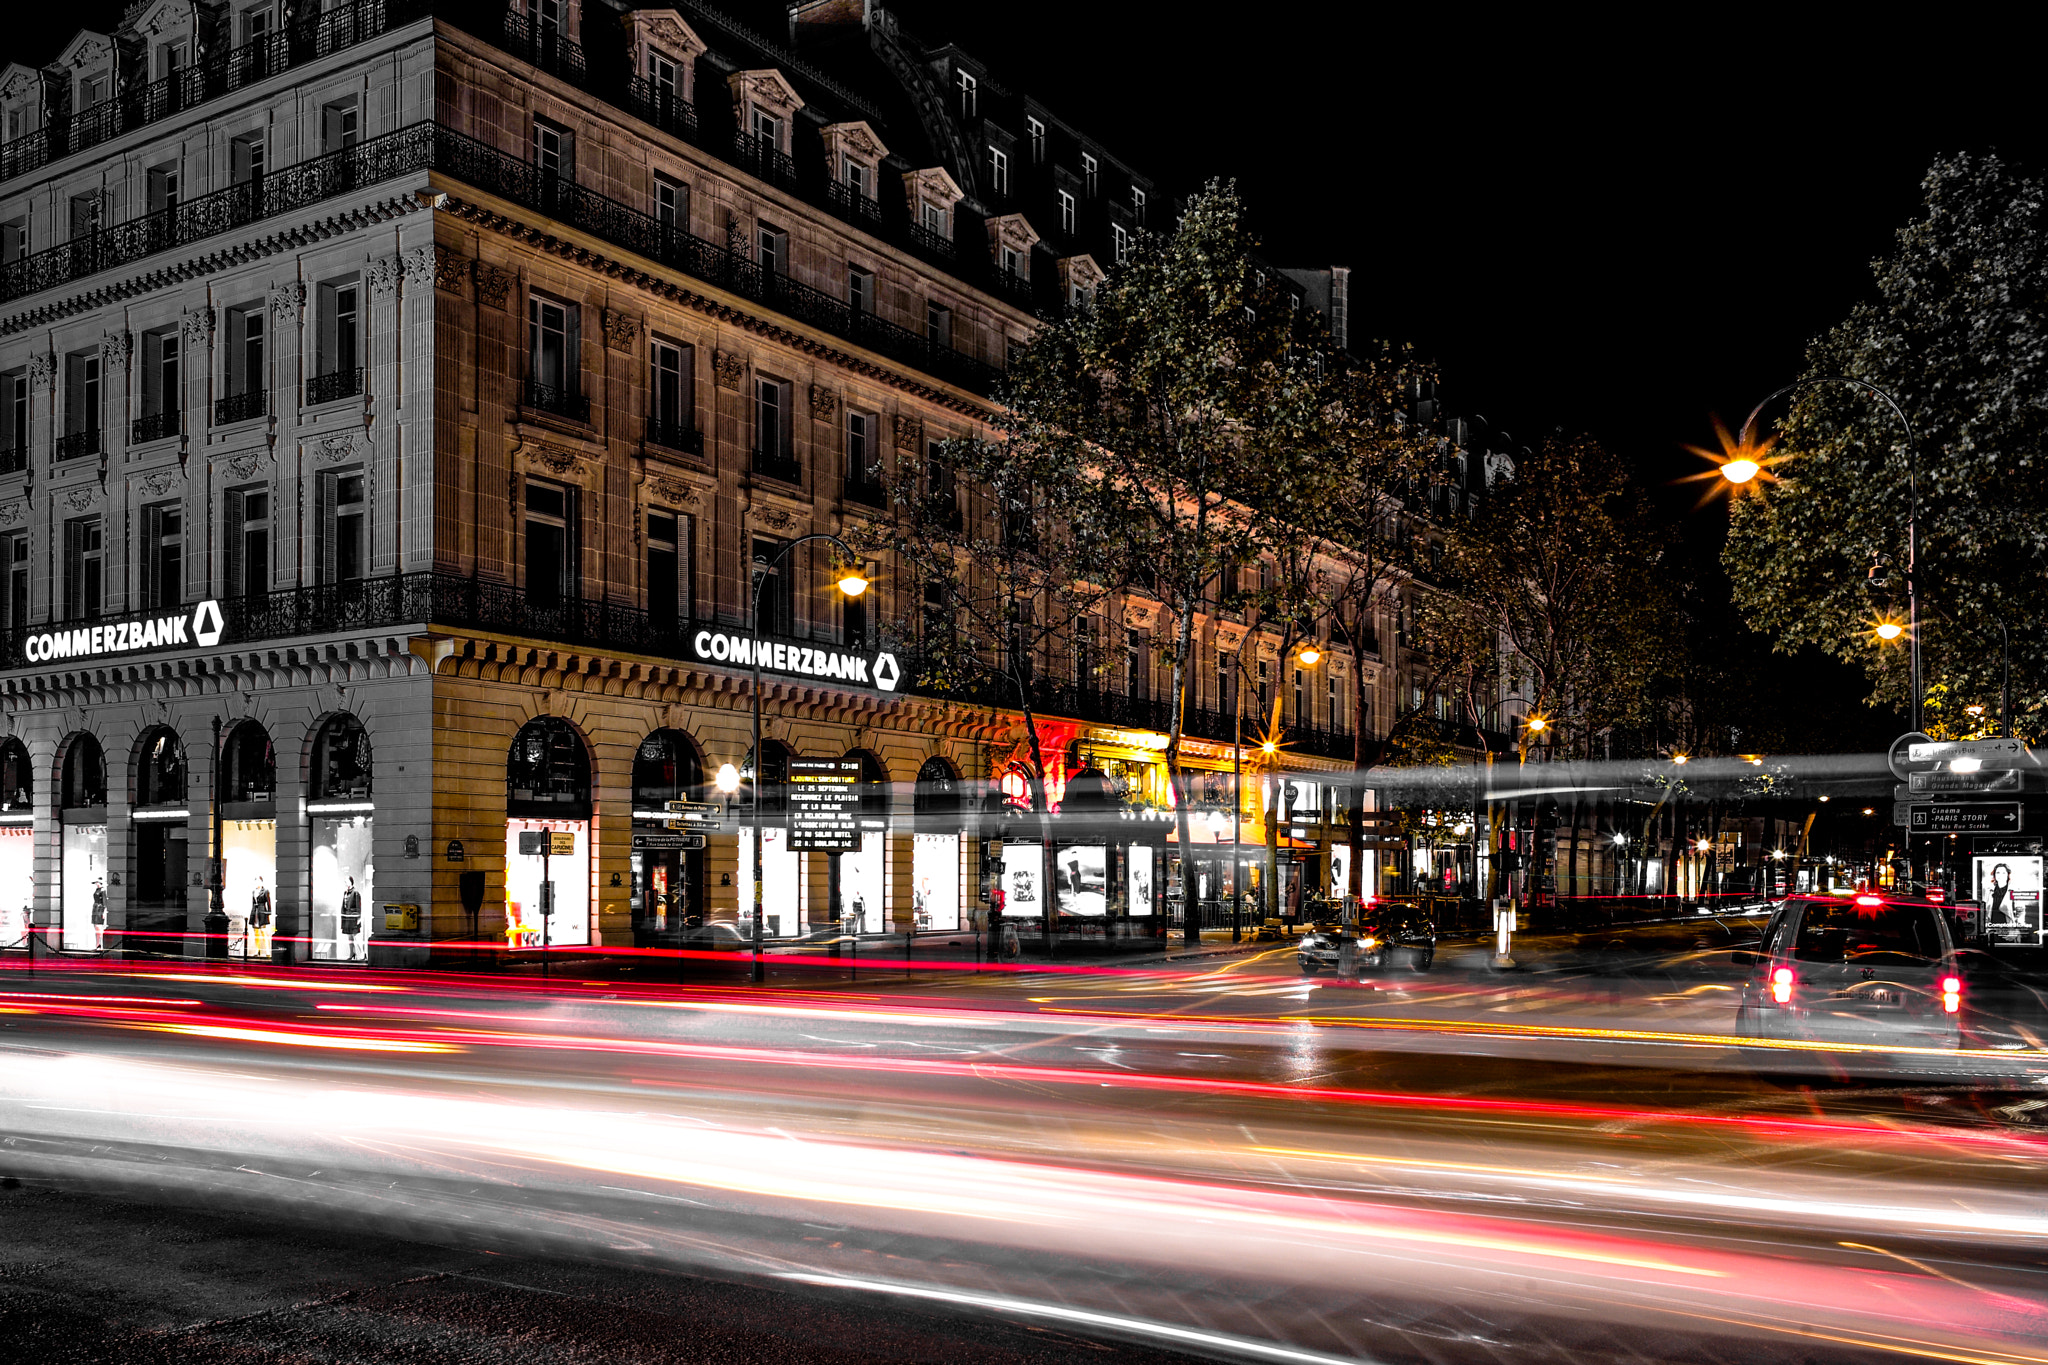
351,916
99,914
259,920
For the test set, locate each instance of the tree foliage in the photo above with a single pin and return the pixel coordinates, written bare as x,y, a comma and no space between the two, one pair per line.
1958,333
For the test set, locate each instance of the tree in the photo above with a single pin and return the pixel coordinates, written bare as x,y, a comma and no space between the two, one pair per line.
1189,389
1958,333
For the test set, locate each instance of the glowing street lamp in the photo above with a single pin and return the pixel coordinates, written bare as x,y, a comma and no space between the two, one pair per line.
1889,631
1740,470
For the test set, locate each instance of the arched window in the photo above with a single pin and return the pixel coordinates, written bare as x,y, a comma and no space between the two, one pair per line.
874,785
665,768
84,773
935,799
159,768
341,759
17,783
775,774
248,766
547,772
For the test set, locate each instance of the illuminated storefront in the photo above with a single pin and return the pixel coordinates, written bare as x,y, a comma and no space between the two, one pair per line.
82,834
667,892
248,839
342,834
547,791
17,845
935,880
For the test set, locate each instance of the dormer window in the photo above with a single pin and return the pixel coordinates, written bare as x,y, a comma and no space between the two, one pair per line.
1013,262
1138,205
92,90
931,217
1120,242
663,75
170,58
998,171
1034,133
1069,214
767,128
852,153
546,15
970,90
1091,175
858,177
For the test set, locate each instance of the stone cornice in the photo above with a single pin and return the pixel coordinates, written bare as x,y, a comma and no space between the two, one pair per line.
723,308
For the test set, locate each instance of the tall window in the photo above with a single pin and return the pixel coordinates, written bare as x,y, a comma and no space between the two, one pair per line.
340,125
932,217
668,568
246,531
773,435
998,171
340,327
85,557
1340,715
1091,175
665,77
772,581
163,555
1226,683
82,395
1069,214
552,341
13,240
160,376
163,187
14,554
1138,205
773,249
1265,682
937,618
554,149
675,414
860,289
342,511
858,177
14,392
1301,711
546,16
970,92
256,24
938,324
1120,242
768,128
1085,647
1034,133
85,216
1136,670
1013,263
860,440
246,158
245,350
672,204
551,577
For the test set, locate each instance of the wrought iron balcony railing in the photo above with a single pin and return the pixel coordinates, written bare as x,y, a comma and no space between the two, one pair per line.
675,435
764,159
328,388
561,402
155,427
664,109
303,40
931,243
778,467
240,407
544,46
862,210
13,459
79,444
867,492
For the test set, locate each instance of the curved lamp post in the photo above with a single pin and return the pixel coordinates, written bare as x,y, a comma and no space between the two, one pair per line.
1743,468
851,582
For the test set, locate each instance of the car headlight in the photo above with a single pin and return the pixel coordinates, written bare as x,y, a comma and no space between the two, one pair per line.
1368,942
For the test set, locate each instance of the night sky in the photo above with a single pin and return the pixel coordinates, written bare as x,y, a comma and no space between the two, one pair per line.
1619,231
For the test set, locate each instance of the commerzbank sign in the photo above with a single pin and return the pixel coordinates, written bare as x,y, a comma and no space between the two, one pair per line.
880,671
202,626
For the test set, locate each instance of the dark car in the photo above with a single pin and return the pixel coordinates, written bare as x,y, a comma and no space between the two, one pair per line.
1854,969
1383,929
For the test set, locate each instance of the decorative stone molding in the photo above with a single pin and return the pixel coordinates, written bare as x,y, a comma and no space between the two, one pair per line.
1229,635
1141,615
81,498
621,330
1269,646
198,325
115,348
909,432
1079,274
13,513
931,186
451,267
384,274
1014,231
767,90
18,82
728,370
664,31
772,516
675,492
158,482
285,302
824,403
549,463
492,285
163,19
854,142
87,51
245,465
340,446
419,266
42,368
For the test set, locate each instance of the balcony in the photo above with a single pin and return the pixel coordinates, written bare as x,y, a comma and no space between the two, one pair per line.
867,492
675,436
778,467
13,459
155,427
78,444
765,160
862,210
329,388
313,36
560,402
931,243
543,46
240,407
1014,289
661,108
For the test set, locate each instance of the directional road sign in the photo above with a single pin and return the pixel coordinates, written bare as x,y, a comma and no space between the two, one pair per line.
1975,754
1904,764
1955,817
1964,783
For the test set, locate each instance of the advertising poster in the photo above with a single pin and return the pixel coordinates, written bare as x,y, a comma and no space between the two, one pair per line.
85,888
1140,860
935,880
1023,877
2009,889
1082,879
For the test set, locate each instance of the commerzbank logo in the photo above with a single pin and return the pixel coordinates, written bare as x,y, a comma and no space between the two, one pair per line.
881,672
202,626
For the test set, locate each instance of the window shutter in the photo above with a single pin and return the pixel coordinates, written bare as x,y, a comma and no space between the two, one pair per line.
572,543
231,504
323,513
572,349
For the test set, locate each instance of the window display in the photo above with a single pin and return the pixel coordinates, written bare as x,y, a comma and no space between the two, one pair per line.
249,897
570,873
1023,880
343,888
781,883
85,889
17,884
1081,880
863,891
935,880
1140,860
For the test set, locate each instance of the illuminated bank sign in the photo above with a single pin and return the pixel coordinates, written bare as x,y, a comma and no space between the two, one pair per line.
800,661
202,626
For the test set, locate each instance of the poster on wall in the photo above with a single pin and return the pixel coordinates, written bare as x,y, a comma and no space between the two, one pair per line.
1340,869
1081,880
935,880
17,884
2009,888
1023,879
1140,861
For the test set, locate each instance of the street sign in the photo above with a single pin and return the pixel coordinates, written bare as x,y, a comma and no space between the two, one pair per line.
561,843
824,805
1965,783
655,842
708,808
1977,817
1904,765
532,843
1976,754
1902,814
455,853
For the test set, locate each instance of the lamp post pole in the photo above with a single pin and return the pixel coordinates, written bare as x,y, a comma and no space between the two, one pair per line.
760,766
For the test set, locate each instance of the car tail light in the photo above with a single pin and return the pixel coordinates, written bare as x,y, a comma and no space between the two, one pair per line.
1781,985
1951,994
1870,900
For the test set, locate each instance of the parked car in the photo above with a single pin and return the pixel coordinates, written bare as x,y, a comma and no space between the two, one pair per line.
1866,968
1384,928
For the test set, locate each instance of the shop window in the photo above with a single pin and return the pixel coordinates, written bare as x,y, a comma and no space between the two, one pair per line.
248,795
340,507
547,898
163,555
14,555
17,844
936,796
82,848
249,766
668,569
548,772
246,539
341,760
665,768
159,768
85,558
774,590
83,774
775,779
342,840
551,577
17,783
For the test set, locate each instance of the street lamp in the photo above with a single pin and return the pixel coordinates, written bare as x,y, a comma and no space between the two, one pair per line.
851,582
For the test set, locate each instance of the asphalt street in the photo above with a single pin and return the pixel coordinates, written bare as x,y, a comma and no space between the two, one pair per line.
1216,1156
